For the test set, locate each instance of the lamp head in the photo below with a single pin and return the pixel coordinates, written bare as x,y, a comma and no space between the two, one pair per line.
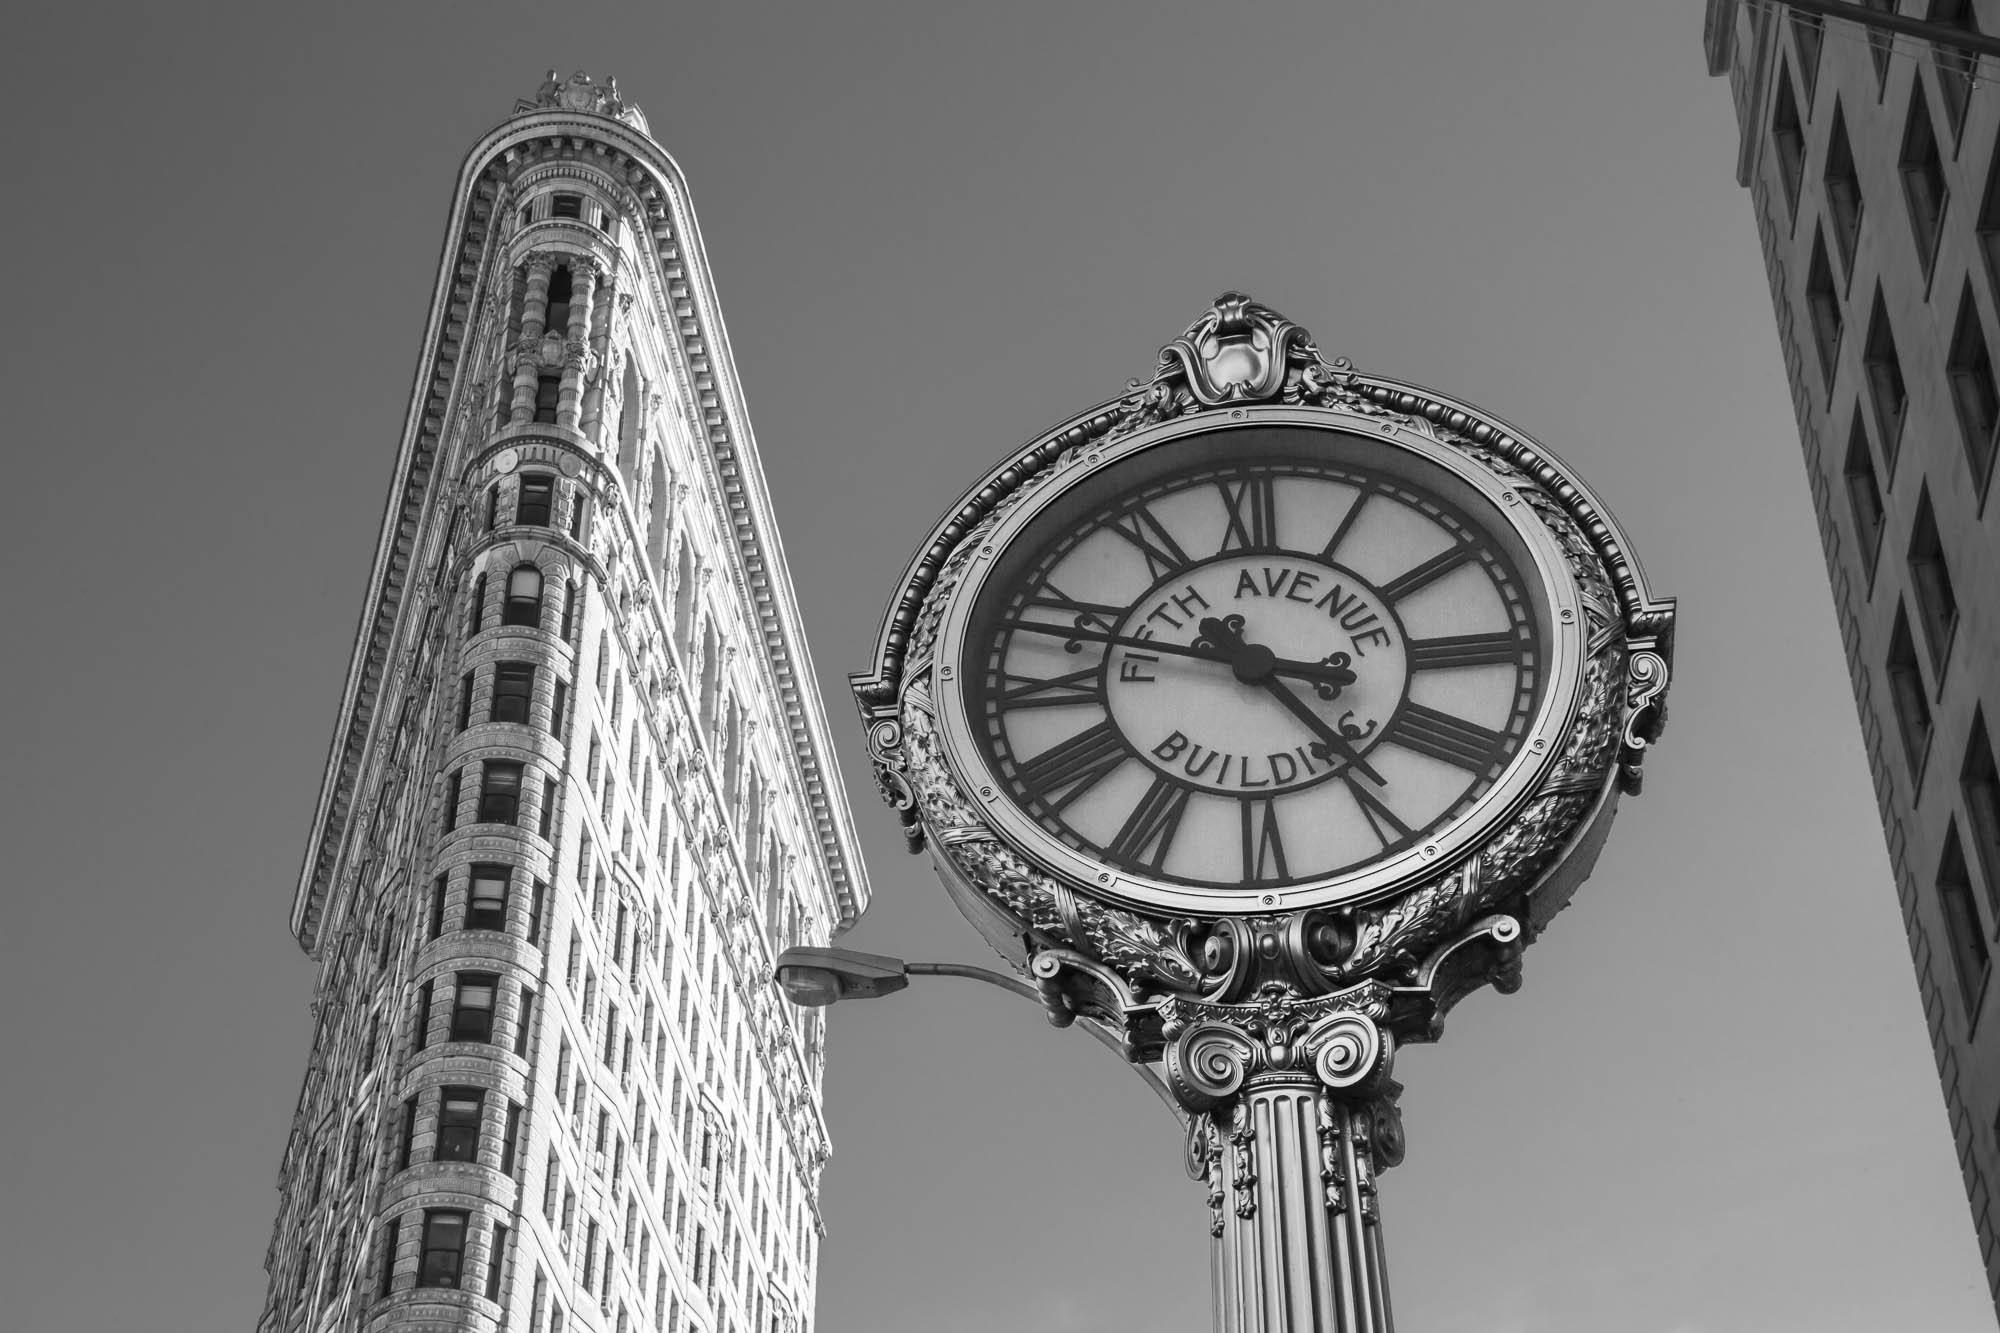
814,978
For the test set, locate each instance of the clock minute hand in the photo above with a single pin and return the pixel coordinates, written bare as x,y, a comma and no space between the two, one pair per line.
1254,664
1319,673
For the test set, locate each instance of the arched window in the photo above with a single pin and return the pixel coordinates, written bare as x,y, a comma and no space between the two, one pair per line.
569,610
524,597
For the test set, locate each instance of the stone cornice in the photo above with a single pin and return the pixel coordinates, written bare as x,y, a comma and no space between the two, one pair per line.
700,346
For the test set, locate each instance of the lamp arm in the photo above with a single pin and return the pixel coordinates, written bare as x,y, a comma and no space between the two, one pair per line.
987,975
1105,1035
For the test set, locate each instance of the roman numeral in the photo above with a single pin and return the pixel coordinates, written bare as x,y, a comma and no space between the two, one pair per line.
1429,572
1149,830
1263,848
1068,769
1078,687
1346,525
1382,821
1464,650
1442,736
1138,526
1253,514
1052,599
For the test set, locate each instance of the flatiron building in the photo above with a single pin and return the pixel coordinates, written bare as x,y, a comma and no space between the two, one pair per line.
580,793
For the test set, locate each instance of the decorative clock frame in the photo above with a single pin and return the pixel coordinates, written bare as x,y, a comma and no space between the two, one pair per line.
1273,1025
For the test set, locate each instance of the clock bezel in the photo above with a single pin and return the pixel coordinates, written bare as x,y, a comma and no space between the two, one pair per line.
1499,507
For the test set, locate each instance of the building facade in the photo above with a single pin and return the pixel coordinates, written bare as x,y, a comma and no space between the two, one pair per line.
1872,159
580,794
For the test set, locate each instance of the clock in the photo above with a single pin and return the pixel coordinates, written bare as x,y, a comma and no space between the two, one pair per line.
1290,657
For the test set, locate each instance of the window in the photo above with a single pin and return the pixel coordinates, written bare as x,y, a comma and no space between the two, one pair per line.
1930,581
1906,692
513,690
1864,495
475,614
391,1235
548,396
1808,34
535,899
561,286
1923,177
569,609
558,702
1823,306
566,206
459,1112
1955,67
1789,138
1969,370
1843,192
496,1262
409,1139
443,1248
1961,922
1880,43
499,792
524,1022
437,907
1979,783
486,901
1988,225
1886,390
465,701
472,1006
492,507
511,1140
548,820
524,597
421,1037
536,501
452,786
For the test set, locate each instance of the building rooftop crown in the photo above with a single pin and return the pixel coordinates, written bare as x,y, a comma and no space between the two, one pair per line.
579,92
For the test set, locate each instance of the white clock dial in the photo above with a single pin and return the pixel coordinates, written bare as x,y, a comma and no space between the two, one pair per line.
1253,672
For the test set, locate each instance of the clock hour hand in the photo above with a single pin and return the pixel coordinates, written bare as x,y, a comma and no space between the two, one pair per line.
1254,664
1328,678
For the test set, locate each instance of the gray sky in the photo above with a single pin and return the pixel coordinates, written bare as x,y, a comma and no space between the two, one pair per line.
937,229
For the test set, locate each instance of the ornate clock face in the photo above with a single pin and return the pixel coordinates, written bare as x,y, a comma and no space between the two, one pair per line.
1255,659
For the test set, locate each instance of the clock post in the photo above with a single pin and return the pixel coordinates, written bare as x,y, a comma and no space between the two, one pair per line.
1258,716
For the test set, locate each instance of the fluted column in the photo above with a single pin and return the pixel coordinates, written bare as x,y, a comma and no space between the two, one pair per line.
576,346
601,368
534,315
1293,1116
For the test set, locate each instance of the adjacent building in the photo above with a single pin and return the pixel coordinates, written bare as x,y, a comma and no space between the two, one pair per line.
1872,158
580,793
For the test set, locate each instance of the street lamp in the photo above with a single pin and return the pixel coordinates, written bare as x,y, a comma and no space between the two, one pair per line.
816,978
